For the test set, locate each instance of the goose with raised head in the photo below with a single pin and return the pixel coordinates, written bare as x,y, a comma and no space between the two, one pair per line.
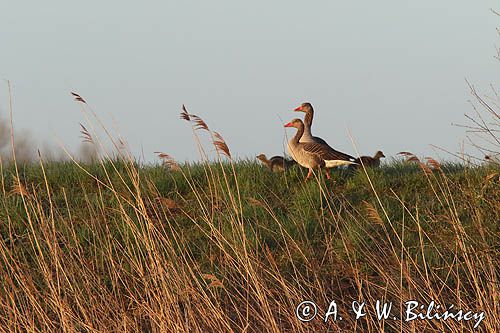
308,119
313,155
276,163
308,137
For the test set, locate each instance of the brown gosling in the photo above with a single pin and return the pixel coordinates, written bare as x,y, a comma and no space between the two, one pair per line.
276,163
368,161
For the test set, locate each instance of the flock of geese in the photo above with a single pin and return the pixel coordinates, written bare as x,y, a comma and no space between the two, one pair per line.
313,152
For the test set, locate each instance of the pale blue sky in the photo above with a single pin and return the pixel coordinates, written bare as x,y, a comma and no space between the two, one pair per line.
393,72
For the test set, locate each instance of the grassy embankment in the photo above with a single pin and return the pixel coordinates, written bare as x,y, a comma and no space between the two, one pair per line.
215,247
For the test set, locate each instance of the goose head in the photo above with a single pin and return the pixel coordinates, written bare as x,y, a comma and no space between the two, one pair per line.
297,123
379,154
304,107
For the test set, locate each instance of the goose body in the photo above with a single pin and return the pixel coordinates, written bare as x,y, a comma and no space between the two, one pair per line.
314,155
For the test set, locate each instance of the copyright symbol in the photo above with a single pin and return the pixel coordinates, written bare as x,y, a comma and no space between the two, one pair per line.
306,311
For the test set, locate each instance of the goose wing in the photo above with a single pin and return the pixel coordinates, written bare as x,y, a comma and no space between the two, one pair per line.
325,152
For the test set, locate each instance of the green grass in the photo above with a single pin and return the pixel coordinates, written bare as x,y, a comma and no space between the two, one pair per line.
122,246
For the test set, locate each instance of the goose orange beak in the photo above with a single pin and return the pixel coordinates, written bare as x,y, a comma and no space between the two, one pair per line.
288,125
299,108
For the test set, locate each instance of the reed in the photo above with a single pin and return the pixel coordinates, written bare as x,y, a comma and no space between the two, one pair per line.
226,246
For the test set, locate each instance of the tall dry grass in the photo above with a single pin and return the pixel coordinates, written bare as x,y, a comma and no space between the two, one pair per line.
121,255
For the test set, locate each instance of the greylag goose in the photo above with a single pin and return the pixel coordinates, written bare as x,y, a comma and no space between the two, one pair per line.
307,136
308,119
313,155
368,161
276,163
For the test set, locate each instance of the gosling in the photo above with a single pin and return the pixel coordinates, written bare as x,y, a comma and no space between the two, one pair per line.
276,163
368,161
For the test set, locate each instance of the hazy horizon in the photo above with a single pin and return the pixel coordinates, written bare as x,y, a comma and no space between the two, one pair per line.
391,73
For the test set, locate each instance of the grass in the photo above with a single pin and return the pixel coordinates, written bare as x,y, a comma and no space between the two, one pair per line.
230,246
